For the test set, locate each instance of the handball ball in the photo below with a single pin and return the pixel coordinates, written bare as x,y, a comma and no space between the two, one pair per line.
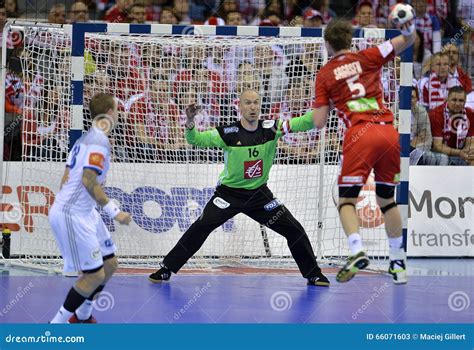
401,14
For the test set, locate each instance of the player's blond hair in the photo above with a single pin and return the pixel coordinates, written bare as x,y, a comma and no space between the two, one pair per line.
101,103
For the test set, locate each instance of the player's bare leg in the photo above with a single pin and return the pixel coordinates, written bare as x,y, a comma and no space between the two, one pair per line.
393,227
84,313
85,286
350,223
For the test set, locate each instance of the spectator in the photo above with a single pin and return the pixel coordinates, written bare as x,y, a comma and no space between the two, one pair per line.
199,10
247,79
234,18
312,19
57,14
14,87
226,6
277,7
455,69
44,128
465,13
119,12
323,7
439,8
208,85
270,63
297,21
123,72
154,8
12,8
382,11
364,16
79,12
429,25
467,50
421,55
169,16
181,8
452,126
137,13
434,87
152,122
421,139
271,19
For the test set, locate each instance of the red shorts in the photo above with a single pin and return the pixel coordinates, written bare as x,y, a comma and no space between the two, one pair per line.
370,146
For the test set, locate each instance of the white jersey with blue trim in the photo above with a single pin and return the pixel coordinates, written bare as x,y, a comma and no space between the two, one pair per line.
91,151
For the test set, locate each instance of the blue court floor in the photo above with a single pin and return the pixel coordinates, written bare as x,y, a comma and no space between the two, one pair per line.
439,291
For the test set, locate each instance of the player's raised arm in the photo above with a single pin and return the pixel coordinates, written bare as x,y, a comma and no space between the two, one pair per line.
403,18
209,138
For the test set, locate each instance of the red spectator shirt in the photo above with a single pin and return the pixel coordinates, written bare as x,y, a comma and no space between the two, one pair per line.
156,119
352,83
453,129
115,15
464,79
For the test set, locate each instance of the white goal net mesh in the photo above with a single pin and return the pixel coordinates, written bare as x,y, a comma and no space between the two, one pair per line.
155,175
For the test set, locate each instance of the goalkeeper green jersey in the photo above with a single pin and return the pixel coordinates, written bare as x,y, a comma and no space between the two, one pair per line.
248,155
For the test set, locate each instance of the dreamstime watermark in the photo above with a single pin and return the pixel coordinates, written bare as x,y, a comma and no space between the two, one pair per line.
459,301
192,30
276,216
104,301
377,292
199,292
13,125
281,301
21,292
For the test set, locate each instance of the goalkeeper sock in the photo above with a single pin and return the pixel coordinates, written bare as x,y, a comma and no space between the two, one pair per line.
85,310
355,243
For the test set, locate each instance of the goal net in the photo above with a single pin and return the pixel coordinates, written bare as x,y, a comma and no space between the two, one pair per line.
155,175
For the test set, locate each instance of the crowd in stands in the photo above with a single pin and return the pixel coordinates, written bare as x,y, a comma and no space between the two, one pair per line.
155,82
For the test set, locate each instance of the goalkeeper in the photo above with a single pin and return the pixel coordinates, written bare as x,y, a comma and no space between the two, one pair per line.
249,146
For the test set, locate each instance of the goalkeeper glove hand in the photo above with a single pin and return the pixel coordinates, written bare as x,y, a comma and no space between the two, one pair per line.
191,112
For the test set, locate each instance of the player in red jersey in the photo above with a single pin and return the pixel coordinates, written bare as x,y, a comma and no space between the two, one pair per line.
350,81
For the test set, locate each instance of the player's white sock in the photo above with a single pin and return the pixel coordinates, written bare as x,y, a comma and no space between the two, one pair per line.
62,316
355,243
85,310
396,248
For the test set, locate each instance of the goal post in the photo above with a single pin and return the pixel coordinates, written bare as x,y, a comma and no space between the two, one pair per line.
154,175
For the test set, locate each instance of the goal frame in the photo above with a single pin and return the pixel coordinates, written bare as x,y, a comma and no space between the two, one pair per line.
78,32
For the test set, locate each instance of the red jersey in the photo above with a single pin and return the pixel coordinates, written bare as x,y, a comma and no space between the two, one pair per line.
352,83
453,129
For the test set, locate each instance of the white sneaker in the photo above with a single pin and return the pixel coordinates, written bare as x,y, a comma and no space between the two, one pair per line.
398,271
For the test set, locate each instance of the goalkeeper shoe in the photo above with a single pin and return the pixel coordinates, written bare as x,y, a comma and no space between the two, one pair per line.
75,319
163,274
319,280
354,263
398,271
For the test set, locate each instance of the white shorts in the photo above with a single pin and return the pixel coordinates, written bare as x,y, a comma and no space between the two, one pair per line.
83,239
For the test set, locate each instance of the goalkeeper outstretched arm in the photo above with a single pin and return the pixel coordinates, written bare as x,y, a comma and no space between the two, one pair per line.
298,124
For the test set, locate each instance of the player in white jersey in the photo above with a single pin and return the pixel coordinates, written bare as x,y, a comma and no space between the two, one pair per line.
83,239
